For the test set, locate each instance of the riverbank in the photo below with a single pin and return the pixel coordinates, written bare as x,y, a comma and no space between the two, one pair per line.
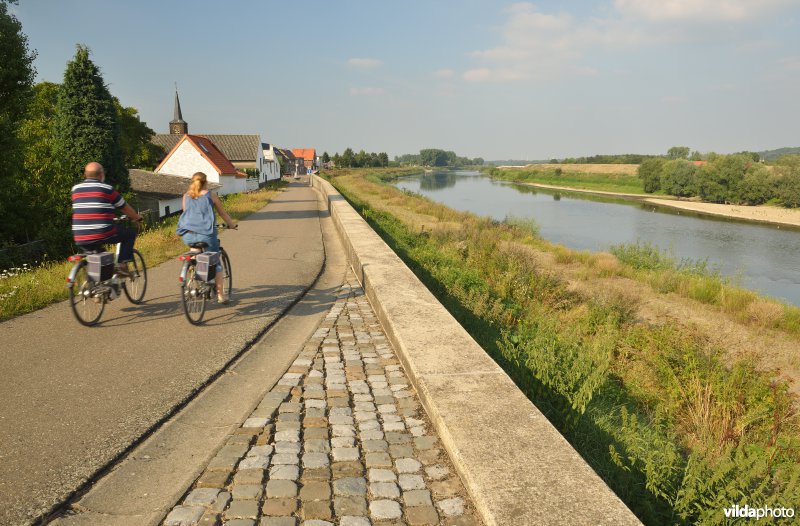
640,375
761,213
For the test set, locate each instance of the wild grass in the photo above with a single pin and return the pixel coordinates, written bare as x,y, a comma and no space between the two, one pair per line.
653,408
558,176
697,280
33,287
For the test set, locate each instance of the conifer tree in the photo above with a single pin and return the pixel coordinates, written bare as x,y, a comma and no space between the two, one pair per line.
87,126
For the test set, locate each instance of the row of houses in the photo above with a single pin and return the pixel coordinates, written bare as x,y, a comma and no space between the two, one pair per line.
234,163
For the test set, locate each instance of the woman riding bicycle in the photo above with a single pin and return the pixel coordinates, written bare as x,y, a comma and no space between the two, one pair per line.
197,222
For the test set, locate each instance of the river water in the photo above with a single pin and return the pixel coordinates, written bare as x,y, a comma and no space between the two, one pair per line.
764,258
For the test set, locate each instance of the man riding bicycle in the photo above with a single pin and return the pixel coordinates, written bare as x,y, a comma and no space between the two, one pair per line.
93,204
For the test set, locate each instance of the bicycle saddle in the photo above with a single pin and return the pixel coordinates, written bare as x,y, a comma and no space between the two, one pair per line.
201,244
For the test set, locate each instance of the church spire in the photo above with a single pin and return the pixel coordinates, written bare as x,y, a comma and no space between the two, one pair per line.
178,126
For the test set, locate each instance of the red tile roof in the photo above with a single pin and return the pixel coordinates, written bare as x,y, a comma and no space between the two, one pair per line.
209,150
307,154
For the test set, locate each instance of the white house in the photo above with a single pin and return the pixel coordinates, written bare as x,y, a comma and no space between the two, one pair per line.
193,153
271,169
242,150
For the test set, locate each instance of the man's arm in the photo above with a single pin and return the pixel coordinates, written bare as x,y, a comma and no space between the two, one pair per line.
130,212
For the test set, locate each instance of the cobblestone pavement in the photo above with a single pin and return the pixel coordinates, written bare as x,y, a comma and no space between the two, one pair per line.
341,439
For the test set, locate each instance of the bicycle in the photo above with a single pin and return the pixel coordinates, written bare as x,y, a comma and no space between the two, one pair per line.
93,282
198,280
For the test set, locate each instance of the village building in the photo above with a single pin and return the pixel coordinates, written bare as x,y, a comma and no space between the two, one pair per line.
195,153
242,150
290,165
309,157
272,163
160,193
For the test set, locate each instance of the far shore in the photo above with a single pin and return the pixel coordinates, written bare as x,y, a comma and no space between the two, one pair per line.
760,213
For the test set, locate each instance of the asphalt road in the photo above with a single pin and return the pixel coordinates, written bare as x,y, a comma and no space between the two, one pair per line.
73,398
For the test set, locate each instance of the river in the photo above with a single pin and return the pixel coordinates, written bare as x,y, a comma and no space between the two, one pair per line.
761,257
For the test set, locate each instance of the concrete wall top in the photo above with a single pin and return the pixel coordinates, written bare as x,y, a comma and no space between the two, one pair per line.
517,467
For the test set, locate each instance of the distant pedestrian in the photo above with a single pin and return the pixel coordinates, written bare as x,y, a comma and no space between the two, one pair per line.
197,221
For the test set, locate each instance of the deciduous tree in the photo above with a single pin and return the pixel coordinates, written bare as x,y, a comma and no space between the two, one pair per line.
16,82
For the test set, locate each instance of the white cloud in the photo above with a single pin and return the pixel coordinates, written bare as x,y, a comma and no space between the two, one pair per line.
366,91
702,10
364,63
539,45
444,74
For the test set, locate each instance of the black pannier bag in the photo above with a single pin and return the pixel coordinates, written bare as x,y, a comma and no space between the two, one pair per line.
101,266
207,265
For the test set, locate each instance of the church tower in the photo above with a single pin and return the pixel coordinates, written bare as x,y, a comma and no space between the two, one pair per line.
178,126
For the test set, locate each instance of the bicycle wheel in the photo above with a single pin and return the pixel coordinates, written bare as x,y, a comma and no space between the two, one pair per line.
136,285
227,273
193,295
87,306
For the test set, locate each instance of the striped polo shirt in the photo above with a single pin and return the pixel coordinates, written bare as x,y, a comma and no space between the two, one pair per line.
93,206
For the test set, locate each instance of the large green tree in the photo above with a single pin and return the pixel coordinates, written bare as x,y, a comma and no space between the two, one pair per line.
16,82
87,124
135,135
39,164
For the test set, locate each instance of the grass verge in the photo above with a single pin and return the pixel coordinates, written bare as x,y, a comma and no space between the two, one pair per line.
622,183
675,432
29,288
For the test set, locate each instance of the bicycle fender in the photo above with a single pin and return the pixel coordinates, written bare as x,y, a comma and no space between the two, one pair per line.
73,274
184,270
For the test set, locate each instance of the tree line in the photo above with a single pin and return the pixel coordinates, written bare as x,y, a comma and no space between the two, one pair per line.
735,178
435,157
49,131
362,159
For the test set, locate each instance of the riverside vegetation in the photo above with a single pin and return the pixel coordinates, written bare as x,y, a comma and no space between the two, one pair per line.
733,179
677,427
28,288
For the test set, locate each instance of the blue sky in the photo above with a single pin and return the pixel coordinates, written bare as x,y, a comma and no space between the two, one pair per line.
483,78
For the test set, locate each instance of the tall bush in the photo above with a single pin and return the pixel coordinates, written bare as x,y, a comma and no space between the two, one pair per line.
650,174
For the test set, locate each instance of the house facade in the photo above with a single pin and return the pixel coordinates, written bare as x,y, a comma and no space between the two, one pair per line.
195,153
272,163
309,157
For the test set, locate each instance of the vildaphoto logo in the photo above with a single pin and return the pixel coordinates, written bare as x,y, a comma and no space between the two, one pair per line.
748,512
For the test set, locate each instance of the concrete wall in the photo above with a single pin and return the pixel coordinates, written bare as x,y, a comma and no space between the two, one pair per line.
186,160
517,467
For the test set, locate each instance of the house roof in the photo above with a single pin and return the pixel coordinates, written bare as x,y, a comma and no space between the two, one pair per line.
286,154
307,154
161,186
209,150
237,148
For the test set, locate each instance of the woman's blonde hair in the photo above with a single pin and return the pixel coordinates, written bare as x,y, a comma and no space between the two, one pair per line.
199,183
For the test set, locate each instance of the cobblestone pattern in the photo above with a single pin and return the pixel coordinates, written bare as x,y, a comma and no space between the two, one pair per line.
341,439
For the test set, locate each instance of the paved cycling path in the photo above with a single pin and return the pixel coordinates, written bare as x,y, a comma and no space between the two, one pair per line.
73,398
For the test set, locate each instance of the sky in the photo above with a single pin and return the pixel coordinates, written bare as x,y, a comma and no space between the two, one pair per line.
491,79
